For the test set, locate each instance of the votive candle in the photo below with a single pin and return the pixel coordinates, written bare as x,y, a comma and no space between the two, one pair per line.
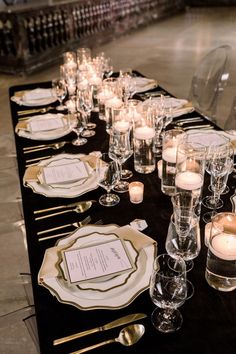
136,190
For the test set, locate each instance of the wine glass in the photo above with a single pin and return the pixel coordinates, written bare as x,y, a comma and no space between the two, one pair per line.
119,151
107,176
220,169
85,106
183,238
59,91
168,291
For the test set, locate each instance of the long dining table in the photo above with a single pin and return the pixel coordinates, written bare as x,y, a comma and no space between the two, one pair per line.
209,316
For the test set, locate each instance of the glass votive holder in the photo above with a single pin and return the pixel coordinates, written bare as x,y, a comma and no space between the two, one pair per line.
136,190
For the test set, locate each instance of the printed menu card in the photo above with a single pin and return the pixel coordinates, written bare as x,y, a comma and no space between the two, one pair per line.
96,261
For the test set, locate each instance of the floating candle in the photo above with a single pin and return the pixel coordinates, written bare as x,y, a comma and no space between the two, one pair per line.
169,154
121,126
143,133
224,246
189,180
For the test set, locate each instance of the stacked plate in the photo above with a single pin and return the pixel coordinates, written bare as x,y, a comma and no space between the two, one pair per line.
63,189
142,84
33,98
45,126
115,291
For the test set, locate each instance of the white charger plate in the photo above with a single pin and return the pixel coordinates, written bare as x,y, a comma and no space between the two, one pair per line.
43,101
66,191
115,298
47,134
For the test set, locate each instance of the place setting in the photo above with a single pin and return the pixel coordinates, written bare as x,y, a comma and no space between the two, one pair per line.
90,284
35,97
63,175
49,126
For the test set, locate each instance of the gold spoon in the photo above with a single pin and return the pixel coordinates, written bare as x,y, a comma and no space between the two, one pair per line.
80,208
128,336
54,146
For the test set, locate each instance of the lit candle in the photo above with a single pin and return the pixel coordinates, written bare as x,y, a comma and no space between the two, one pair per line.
189,180
114,102
104,95
169,154
143,133
121,126
95,80
224,246
136,192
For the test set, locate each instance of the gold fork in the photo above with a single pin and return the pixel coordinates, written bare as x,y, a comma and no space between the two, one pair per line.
35,110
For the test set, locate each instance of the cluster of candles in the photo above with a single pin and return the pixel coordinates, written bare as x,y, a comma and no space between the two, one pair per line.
112,98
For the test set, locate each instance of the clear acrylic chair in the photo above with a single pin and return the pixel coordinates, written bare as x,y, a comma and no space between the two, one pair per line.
209,80
18,332
230,123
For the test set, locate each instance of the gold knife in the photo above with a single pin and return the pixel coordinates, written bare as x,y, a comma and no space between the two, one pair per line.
119,322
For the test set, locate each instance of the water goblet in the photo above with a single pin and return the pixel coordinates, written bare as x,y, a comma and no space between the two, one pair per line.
59,91
168,291
183,237
120,150
220,169
85,106
107,177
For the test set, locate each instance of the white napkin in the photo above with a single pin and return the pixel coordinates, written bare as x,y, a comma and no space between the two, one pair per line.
37,94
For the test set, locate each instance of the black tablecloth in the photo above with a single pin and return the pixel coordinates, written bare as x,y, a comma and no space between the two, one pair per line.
209,324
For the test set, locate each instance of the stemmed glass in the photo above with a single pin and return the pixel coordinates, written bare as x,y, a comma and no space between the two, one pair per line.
220,169
59,90
183,237
168,291
107,176
85,106
76,121
119,151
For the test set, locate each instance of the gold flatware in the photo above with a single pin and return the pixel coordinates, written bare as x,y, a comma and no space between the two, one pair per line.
55,146
116,323
34,110
45,145
202,126
38,159
187,121
79,207
99,222
127,336
75,224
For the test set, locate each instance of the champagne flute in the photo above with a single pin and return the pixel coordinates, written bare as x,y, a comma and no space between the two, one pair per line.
168,291
107,176
59,91
85,106
119,151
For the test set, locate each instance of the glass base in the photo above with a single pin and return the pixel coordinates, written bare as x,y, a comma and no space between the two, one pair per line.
121,187
91,126
88,133
126,174
60,108
208,216
79,142
109,200
166,321
209,202
226,190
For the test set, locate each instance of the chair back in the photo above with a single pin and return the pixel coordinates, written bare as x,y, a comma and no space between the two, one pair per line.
209,80
231,120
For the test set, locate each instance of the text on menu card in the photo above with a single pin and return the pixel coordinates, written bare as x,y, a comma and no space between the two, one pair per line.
96,261
65,173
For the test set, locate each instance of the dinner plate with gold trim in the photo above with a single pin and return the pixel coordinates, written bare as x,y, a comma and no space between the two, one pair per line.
85,299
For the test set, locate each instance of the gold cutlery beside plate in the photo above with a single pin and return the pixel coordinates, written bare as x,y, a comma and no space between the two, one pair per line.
75,224
128,336
83,205
116,323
